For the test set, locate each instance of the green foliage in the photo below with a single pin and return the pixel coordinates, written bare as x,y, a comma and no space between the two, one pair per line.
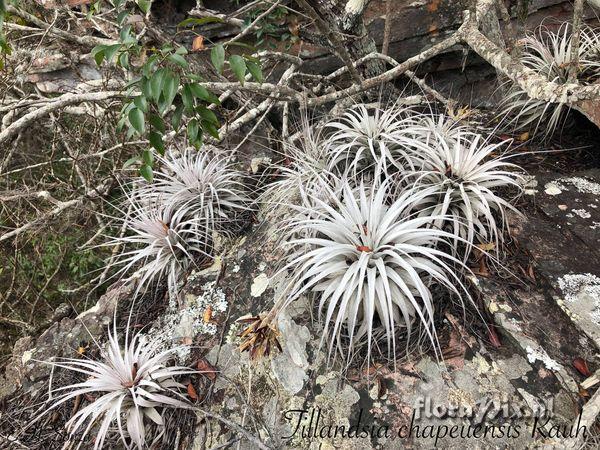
4,46
217,56
144,5
195,21
167,93
238,67
53,252
272,27
255,70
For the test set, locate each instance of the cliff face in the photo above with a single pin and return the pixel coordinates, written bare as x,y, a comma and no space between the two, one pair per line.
418,24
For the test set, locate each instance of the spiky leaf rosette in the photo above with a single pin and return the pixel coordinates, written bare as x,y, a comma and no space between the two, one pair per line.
132,384
199,185
364,138
370,265
429,129
548,53
304,166
461,178
159,242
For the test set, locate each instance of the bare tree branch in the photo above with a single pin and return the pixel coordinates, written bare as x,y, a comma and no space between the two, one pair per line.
89,41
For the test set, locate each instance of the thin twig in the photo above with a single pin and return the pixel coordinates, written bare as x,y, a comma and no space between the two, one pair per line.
253,25
88,41
575,38
238,429
387,30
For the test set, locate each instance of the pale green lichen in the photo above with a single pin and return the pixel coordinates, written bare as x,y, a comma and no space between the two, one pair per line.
180,325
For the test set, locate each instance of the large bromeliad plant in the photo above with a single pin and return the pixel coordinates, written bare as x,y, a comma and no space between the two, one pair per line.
406,196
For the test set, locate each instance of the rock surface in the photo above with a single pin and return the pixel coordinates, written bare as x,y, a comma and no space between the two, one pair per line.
542,326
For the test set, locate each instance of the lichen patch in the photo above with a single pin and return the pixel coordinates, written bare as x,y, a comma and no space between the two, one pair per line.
582,185
540,354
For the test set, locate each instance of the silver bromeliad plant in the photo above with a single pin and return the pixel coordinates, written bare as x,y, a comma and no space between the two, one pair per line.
130,387
548,53
159,242
305,164
367,259
169,223
463,177
367,137
201,185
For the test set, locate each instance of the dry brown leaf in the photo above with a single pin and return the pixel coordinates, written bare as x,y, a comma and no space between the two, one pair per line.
207,369
198,44
482,270
294,26
582,367
494,338
531,273
207,314
260,338
486,247
191,390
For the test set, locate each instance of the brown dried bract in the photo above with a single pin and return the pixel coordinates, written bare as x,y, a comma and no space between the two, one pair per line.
258,338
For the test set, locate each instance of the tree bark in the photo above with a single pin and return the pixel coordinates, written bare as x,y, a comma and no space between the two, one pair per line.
347,17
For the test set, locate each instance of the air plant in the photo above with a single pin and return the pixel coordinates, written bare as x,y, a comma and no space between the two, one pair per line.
304,166
159,242
462,178
199,185
364,138
548,54
132,384
429,129
370,264
169,223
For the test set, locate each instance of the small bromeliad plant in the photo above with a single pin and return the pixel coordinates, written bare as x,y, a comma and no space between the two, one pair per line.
465,178
169,222
366,137
158,243
304,164
130,387
548,53
199,184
